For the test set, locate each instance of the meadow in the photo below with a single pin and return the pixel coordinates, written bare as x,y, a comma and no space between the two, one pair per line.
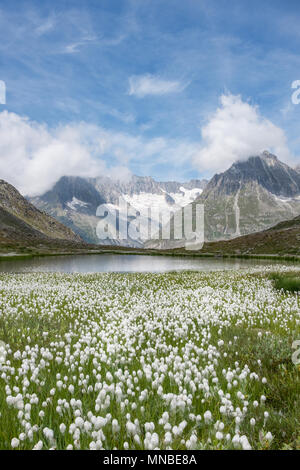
184,360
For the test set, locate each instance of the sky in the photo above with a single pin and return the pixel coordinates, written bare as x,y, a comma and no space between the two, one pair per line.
168,88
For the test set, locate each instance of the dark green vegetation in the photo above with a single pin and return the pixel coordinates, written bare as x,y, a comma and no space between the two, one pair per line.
288,282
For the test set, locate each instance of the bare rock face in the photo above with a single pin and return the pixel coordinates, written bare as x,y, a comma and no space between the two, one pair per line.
19,219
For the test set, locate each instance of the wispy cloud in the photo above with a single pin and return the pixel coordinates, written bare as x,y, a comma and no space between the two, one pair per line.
75,47
114,41
115,113
142,85
106,42
45,26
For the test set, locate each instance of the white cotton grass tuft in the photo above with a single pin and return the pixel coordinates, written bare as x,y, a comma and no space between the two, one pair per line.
15,443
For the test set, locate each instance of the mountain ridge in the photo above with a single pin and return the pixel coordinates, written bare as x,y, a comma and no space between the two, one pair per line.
21,220
284,181
74,200
250,196
281,239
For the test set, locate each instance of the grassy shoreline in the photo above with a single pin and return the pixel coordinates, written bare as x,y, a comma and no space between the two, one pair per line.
22,256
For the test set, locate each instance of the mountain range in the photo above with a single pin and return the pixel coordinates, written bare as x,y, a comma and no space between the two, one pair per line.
74,201
250,197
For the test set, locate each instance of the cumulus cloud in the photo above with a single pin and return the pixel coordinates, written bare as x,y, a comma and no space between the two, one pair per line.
33,157
142,85
236,131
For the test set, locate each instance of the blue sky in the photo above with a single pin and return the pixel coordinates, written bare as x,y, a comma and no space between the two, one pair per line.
150,73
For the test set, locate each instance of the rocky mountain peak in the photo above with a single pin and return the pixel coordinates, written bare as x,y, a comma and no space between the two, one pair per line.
250,196
266,154
264,169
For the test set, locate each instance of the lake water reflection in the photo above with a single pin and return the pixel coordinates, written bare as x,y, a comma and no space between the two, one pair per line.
124,263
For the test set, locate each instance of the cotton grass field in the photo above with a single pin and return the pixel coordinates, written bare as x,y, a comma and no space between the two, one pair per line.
148,361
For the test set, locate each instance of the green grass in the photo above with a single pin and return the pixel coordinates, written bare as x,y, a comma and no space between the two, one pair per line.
287,282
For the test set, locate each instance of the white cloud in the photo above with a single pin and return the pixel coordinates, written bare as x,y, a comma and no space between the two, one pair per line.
33,157
236,131
142,85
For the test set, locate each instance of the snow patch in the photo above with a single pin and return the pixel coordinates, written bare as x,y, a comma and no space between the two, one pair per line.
158,202
188,196
75,203
286,199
